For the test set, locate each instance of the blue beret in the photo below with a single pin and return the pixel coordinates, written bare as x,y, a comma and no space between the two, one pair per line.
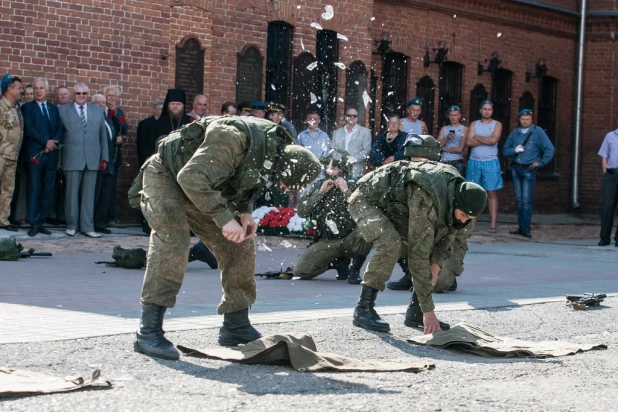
453,109
259,105
486,101
525,112
6,79
417,101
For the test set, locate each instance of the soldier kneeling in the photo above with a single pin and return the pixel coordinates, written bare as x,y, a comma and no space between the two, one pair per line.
205,178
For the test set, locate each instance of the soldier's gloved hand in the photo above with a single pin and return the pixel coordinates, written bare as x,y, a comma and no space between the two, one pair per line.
233,231
248,225
432,325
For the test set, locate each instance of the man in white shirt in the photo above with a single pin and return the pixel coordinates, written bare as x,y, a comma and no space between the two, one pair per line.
354,139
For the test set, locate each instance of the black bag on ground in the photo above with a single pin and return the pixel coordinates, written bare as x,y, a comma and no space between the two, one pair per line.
127,258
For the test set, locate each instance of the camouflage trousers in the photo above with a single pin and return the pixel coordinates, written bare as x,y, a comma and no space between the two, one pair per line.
316,259
7,186
170,215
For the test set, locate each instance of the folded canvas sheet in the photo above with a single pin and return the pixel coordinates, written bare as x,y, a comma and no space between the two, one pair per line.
472,339
15,382
300,352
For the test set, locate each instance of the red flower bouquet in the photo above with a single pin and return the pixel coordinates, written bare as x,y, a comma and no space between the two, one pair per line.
111,113
103,164
122,120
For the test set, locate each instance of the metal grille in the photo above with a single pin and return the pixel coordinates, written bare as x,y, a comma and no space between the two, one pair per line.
501,97
548,93
426,89
394,86
477,95
450,89
278,62
327,51
355,85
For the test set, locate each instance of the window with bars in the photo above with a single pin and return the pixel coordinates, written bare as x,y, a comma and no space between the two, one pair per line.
501,98
546,118
279,62
477,95
426,90
450,89
327,53
394,86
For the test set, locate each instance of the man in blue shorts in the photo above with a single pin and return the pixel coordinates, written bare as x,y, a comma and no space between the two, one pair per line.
483,165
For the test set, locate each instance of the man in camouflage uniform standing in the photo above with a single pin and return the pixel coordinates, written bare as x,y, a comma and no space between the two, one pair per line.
338,243
11,136
422,204
204,177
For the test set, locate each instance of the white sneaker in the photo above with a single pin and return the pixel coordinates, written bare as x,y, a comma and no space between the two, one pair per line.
69,232
92,234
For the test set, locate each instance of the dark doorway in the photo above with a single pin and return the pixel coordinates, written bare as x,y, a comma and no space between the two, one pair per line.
279,62
501,97
355,86
526,101
477,95
426,90
450,89
394,86
546,118
304,85
372,105
327,50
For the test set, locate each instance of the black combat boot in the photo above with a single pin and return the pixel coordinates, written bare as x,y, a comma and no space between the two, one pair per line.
365,315
355,268
200,252
405,283
237,329
341,265
150,339
414,315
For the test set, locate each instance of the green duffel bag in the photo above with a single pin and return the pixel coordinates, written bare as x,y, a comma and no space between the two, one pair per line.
9,249
127,258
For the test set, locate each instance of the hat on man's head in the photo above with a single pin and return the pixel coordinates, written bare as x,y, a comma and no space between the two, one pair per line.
424,146
484,102
173,95
6,80
338,158
525,112
244,106
276,107
417,101
453,108
470,198
296,167
259,105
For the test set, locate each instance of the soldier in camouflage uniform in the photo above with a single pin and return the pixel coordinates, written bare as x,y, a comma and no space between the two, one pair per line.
11,136
338,243
204,177
422,204
425,147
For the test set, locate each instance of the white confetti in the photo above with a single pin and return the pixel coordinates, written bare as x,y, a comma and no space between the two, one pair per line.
268,164
298,7
312,65
328,13
316,26
385,117
356,82
499,34
372,19
340,65
263,248
272,86
389,93
454,16
294,160
366,98
313,98
286,244
340,99
302,45
341,37
332,226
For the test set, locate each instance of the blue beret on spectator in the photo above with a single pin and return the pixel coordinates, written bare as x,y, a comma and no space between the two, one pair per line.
6,79
486,101
417,101
525,112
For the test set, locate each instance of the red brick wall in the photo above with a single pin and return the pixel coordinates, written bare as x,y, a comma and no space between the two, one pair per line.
132,43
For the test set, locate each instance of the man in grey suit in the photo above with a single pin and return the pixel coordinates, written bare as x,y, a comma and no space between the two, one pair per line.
354,139
85,152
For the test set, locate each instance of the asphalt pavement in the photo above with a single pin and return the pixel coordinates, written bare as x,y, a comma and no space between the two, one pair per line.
66,315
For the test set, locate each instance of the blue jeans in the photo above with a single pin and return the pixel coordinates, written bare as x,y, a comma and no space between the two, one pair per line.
524,180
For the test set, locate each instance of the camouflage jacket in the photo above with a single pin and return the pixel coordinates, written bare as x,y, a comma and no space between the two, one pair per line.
223,164
417,196
11,130
330,206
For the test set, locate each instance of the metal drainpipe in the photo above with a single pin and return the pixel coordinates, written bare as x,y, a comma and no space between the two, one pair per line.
578,107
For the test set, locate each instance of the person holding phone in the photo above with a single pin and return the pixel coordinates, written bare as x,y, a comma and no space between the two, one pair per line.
450,138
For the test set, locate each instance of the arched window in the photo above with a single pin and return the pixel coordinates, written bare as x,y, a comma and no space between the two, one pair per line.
501,97
327,51
526,101
304,85
279,62
426,90
394,85
450,89
477,95
355,85
546,118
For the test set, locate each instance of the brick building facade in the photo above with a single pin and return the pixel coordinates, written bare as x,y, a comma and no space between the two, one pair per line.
133,44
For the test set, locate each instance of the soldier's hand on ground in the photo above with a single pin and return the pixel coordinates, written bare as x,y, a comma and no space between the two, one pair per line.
435,271
341,184
432,325
327,185
233,231
248,224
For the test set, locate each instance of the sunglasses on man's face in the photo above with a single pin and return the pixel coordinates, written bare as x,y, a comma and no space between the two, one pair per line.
81,93
352,115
